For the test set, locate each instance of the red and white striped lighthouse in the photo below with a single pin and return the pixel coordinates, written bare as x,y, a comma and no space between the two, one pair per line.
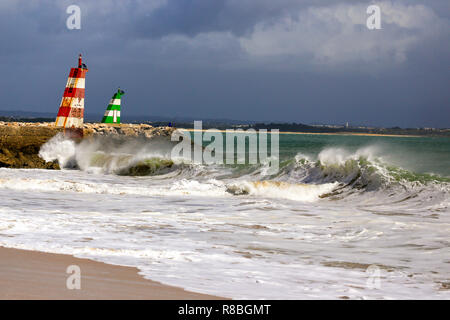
71,111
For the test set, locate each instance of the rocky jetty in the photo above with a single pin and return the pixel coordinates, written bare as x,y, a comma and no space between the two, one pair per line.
20,141
133,130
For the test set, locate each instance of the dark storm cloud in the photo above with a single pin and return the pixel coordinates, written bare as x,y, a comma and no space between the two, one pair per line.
191,17
281,60
183,17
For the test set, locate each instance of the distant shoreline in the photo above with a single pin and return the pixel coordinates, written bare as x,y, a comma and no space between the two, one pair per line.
285,128
324,133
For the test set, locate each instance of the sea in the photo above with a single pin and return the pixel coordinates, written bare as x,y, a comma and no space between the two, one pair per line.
344,217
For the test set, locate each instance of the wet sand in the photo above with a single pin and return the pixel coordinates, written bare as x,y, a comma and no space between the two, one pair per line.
37,275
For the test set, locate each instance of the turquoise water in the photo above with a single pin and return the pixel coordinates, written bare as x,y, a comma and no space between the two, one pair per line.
420,155
413,157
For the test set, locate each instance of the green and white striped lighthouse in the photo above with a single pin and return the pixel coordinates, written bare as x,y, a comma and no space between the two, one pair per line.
112,114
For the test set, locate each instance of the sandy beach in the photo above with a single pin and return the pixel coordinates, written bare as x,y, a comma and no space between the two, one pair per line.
36,275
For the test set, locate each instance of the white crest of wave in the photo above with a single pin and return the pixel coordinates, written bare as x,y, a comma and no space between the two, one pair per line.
300,156
340,155
283,190
102,154
58,148
212,187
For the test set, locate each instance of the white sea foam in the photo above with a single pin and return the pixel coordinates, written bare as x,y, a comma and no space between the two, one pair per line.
310,232
281,190
58,148
102,154
196,235
334,155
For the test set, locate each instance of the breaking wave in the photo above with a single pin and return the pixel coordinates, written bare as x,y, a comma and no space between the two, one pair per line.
333,173
359,170
279,189
109,154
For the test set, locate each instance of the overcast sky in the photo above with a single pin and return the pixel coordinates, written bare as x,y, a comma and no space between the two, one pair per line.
270,60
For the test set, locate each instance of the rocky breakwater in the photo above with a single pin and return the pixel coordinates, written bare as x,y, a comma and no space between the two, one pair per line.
131,130
20,141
